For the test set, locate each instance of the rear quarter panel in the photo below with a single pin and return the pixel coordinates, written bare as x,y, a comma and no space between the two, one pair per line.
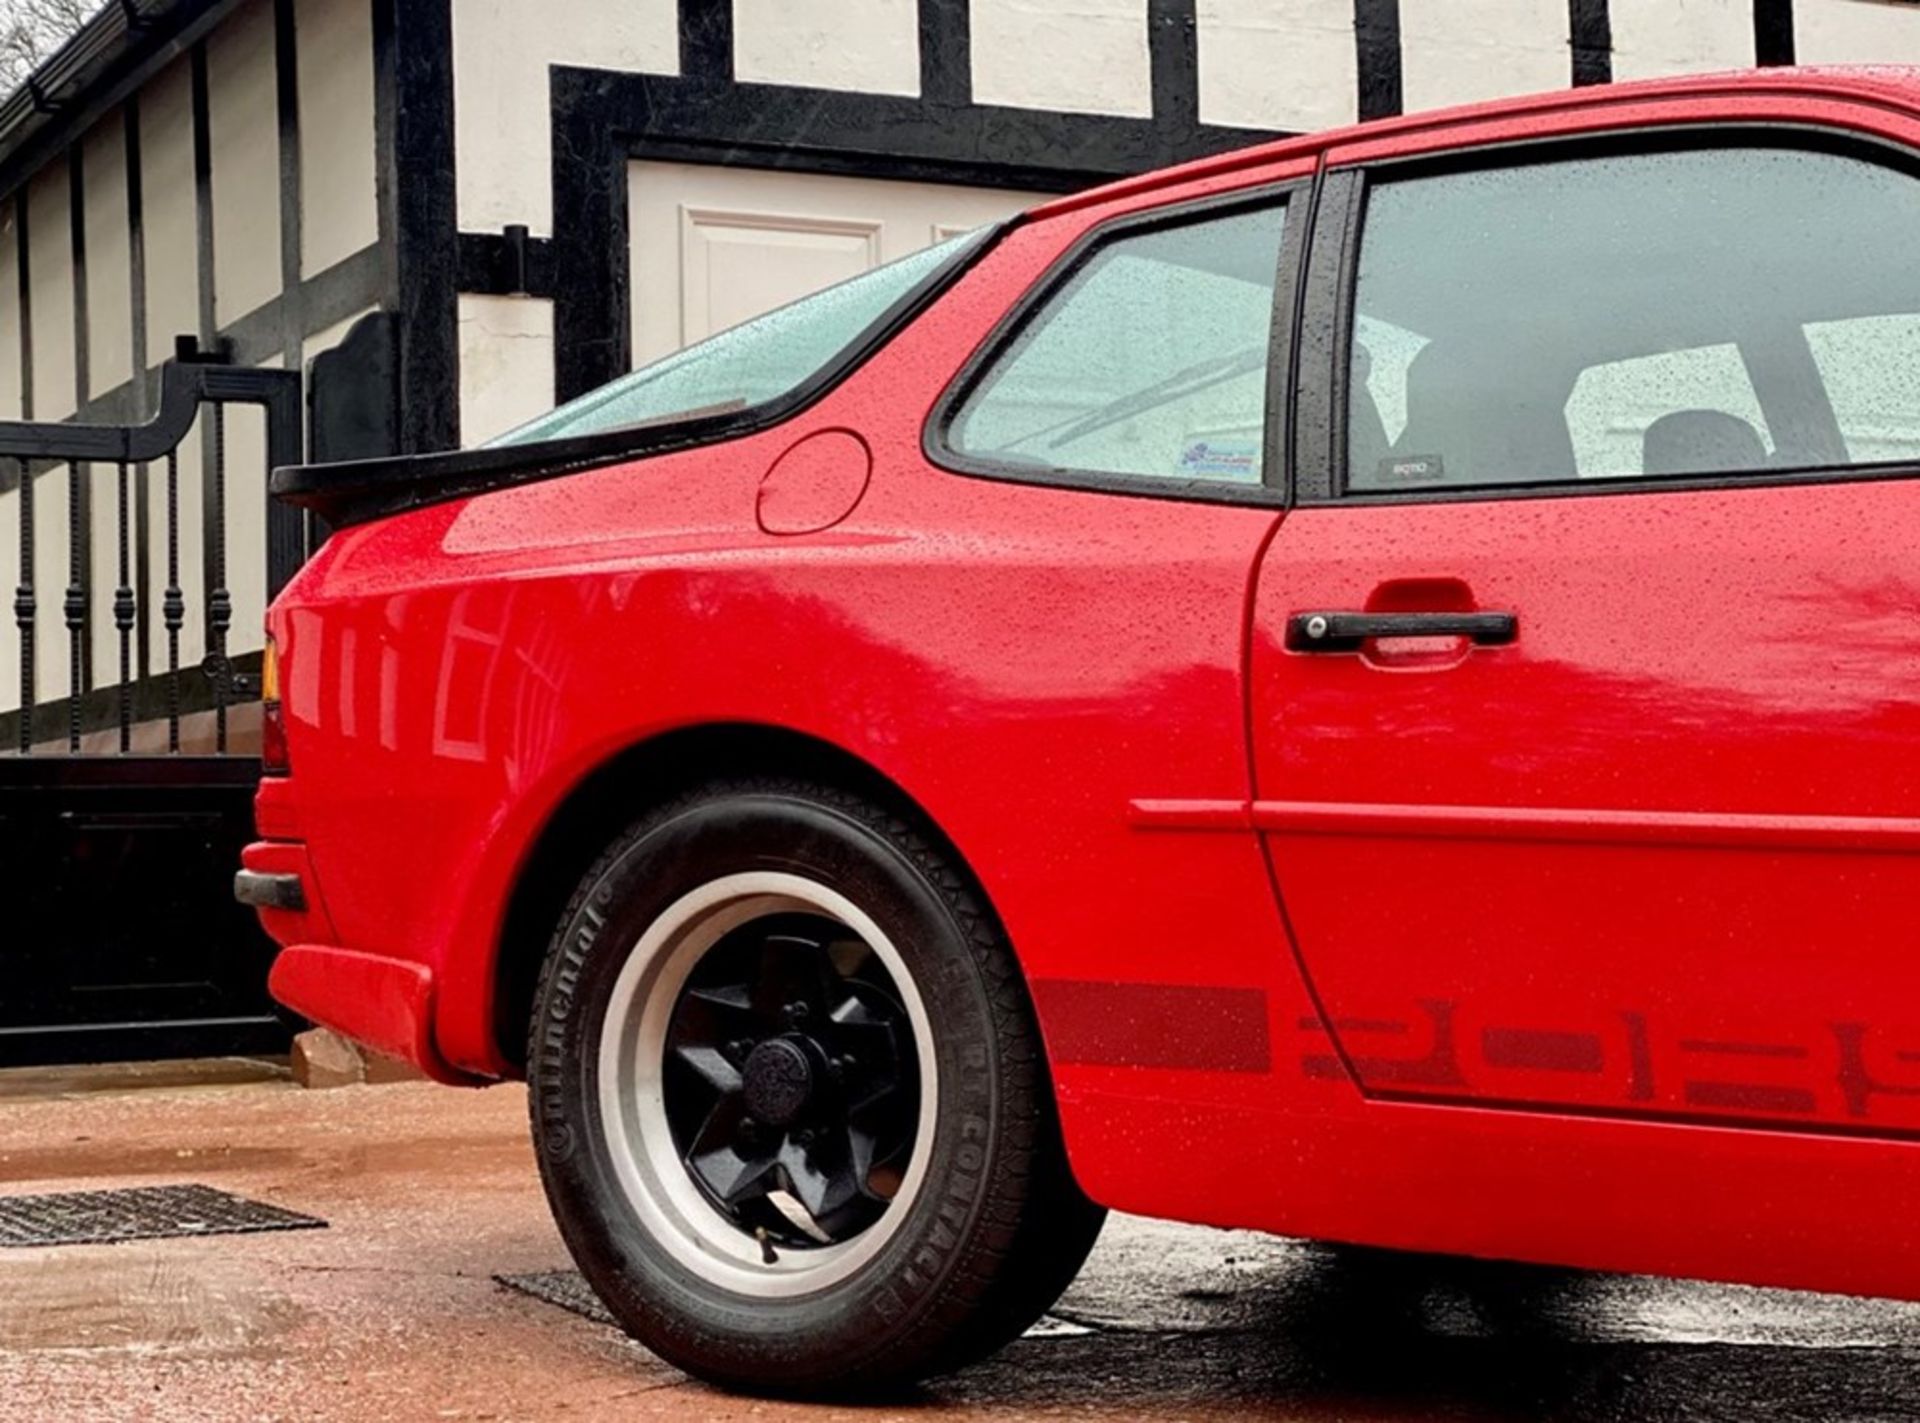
1022,661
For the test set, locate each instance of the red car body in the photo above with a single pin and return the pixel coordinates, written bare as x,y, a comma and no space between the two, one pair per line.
1597,947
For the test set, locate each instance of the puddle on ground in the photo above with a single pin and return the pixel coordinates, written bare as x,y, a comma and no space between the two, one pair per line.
121,1299
85,1157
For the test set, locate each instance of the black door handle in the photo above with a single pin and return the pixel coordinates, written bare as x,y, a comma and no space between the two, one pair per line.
1345,632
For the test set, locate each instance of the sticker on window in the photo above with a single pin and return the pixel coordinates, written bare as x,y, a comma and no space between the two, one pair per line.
1411,469
1220,459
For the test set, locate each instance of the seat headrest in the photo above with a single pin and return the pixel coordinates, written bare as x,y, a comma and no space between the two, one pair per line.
1701,442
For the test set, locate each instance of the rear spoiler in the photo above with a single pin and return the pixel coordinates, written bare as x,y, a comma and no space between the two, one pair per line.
359,491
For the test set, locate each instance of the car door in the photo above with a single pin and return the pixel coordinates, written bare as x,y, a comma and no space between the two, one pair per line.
1117,429
1586,677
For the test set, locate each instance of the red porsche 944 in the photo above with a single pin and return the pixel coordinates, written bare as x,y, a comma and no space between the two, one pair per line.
1367,688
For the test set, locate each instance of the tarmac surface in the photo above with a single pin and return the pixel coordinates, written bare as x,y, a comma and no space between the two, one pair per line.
394,1312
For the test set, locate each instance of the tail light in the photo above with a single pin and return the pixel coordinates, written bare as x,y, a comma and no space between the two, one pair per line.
273,726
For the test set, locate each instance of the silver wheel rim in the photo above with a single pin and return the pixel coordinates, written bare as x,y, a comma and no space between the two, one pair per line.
663,1197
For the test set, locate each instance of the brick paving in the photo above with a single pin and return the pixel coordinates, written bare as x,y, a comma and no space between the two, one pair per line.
393,1313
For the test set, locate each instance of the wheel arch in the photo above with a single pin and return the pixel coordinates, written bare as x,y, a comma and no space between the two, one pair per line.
617,791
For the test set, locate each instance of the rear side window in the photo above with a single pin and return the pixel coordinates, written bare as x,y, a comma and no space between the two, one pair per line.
1728,311
755,363
1150,361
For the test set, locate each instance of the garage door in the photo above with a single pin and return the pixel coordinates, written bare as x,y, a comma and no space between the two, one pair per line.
715,246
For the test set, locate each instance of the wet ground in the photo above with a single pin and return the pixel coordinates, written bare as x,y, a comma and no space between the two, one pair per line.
393,1312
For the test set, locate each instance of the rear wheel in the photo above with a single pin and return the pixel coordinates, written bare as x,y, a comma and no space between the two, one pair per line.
790,1105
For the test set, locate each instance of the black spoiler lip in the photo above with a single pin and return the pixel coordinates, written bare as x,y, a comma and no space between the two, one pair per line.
360,491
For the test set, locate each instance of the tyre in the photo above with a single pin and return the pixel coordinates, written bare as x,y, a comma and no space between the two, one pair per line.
789,1101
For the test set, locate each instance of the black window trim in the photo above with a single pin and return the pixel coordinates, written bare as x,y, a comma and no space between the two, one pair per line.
1299,196
1328,295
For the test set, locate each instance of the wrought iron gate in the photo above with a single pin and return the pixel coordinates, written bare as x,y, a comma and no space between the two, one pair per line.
125,796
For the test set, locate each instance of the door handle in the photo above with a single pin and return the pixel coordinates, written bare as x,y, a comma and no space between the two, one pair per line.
1346,632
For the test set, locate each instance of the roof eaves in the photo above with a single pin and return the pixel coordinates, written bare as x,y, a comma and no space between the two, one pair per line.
119,37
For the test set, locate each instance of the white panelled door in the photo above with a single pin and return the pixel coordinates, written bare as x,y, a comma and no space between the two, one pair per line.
712,247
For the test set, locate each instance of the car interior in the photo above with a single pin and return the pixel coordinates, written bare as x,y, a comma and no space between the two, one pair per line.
1671,314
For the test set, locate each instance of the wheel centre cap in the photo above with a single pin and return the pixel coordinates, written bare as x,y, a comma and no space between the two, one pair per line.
778,1081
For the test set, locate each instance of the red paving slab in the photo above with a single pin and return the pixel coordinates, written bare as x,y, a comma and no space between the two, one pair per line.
391,1314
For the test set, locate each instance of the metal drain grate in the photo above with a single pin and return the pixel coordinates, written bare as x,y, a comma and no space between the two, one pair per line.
570,1291
138,1213
566,1288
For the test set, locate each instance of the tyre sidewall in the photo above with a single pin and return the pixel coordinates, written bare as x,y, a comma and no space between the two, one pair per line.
771,1342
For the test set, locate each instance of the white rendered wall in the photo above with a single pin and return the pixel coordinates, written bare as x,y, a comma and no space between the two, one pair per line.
1856,32
506,364
1461,51
167,200
333,48
9,580
502,110
50,265
1652,38
244,130
1087,56
1277,64
870,45
192,642
51,657
109,365
50,260
9,502
10,408
246,525
109,274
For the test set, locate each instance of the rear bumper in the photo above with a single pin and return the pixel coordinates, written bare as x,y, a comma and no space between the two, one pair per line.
386,1004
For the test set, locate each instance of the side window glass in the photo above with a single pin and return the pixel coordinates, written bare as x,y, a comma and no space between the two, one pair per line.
1733,310
1870,366
755,363
1634,416
1150,361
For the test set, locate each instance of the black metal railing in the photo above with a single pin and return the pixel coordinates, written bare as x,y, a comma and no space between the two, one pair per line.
189,384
